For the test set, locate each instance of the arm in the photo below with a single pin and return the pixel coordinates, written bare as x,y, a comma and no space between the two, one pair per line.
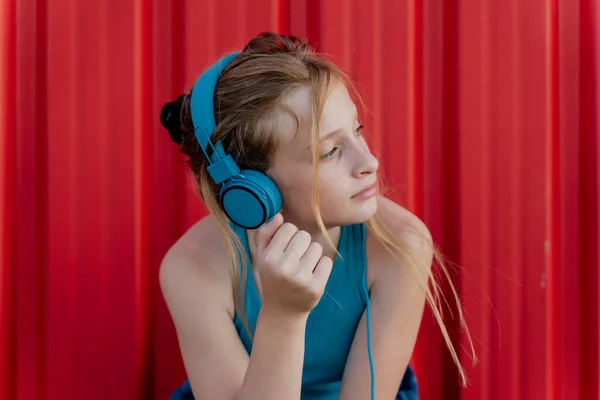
397,303
199,299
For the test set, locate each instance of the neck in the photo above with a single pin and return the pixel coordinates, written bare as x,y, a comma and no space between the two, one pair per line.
334,235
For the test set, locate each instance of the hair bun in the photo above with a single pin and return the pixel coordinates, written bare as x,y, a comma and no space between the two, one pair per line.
270,42
170,118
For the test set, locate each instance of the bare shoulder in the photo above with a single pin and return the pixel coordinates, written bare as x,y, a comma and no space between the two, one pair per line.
404,223
196,285
197,261
412,233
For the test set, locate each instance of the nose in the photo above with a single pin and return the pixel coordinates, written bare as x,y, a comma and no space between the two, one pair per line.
366,163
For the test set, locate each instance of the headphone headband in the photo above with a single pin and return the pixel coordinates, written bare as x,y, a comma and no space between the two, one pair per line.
222,166
249,198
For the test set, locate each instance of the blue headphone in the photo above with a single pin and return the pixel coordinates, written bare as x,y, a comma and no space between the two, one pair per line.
249,198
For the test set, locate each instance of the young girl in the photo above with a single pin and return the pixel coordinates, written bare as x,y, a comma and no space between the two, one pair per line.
309,284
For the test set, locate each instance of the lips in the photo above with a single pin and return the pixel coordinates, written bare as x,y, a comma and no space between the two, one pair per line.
366,191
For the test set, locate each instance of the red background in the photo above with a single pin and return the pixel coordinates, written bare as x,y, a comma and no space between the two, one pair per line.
485,113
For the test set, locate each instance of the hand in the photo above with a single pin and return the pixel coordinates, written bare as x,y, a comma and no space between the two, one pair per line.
292,270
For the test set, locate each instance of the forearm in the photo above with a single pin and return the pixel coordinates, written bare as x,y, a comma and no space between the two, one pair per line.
275,366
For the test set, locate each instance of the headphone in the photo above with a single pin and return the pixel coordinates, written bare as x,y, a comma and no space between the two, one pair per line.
248,197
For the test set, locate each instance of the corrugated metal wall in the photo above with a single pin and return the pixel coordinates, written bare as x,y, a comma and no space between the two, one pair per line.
486,116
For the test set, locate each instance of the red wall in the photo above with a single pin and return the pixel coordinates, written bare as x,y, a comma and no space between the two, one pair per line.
485,113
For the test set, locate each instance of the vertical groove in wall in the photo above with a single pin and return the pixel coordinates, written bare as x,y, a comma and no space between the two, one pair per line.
41,155
179,26
377,59
476,103
451,211
8,221
313,23
588,202
143,199
553,379
570,183
596,58
512,338
102,160
30,195
415,112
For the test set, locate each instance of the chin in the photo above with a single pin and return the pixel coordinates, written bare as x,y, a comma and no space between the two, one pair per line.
368,210
359,213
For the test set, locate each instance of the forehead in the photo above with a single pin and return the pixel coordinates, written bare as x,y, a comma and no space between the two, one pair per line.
338,111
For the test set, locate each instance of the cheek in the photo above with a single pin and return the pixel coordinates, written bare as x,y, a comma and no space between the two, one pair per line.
294,183
332,190
295,187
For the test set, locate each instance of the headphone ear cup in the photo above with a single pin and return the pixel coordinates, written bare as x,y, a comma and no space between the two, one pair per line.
250,198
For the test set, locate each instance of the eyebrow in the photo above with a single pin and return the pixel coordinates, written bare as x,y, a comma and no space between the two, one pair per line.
334,132
330,135
326,137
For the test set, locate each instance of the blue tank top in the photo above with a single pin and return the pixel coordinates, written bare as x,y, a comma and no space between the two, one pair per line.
331,324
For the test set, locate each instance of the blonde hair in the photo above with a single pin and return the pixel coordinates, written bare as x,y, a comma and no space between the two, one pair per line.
248,98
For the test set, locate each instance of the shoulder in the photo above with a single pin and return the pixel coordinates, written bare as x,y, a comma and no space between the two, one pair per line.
404,224
399,255
197,262
396,227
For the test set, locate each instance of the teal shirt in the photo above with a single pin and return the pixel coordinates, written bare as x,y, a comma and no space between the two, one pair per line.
331,324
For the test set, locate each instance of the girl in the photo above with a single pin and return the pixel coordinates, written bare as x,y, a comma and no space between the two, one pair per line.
325,299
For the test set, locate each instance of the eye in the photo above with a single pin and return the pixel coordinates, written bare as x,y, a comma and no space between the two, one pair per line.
329,154
358,130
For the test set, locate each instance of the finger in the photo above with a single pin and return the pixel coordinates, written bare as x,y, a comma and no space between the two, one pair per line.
282,238
298,245
264,234
311,257
322,272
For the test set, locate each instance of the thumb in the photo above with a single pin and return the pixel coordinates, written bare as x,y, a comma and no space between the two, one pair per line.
264,234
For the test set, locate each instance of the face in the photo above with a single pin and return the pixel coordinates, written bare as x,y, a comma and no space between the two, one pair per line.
347,169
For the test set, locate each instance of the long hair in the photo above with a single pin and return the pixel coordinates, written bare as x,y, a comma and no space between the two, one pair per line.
248,98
